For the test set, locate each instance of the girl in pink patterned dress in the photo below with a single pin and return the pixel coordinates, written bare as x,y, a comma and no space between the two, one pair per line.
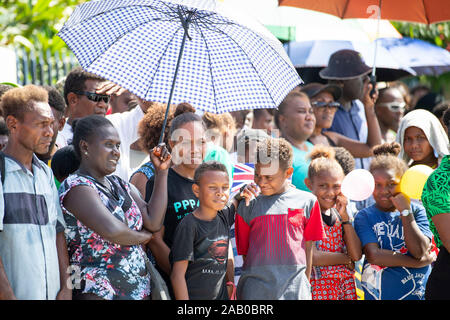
332,277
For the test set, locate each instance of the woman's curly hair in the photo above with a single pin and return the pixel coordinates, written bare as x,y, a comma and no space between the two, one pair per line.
150,126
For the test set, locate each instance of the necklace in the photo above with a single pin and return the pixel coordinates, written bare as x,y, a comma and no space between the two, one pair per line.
111,191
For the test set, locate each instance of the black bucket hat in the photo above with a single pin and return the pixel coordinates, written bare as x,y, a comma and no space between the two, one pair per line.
345,64
314,88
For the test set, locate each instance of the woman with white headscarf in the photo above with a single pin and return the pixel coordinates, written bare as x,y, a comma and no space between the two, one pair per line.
423,139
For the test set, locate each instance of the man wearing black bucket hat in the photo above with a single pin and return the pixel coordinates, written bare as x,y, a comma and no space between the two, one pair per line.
347,70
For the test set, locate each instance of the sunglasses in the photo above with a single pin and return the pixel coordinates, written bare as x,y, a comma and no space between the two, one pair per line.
329,105
394,106
95,97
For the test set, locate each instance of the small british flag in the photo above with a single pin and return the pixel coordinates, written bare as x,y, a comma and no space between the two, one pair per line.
243,174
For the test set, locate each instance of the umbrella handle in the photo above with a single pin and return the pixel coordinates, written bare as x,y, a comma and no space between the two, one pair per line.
373,82
185,23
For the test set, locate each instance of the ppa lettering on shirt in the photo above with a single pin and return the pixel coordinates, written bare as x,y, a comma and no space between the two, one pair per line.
186,204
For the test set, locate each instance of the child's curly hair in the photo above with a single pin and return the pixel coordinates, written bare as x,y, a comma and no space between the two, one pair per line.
323,159
345,159
208,166
275,149
386,157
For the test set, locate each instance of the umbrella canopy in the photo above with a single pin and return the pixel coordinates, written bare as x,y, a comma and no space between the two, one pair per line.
316,54
220,60
303,25
311,74
422,56
421,11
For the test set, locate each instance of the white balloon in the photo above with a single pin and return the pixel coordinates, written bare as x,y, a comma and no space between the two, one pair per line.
358,185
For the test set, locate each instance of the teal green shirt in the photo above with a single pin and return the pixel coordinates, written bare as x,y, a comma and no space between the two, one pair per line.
300,165
436,195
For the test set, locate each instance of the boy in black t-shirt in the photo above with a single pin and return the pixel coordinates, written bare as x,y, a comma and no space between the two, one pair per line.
199,253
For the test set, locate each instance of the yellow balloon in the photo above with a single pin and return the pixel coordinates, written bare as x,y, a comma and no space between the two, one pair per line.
414,179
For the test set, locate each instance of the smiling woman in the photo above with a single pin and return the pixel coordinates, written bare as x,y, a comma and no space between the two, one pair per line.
107,220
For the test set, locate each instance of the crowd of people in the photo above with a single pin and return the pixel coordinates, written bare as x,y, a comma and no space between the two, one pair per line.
243,205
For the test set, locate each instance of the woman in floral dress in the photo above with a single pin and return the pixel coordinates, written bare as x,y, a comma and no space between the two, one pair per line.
107,221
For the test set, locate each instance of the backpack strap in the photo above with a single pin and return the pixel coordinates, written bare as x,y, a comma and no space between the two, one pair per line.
2,167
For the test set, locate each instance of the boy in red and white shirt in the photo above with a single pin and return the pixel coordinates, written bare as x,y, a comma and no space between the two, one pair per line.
276,230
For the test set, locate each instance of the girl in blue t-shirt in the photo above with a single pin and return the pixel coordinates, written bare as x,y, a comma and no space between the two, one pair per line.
394,233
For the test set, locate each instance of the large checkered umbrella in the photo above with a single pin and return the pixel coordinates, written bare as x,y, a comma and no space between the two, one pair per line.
176,51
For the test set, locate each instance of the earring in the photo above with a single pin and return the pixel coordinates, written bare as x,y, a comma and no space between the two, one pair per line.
436,154
86,153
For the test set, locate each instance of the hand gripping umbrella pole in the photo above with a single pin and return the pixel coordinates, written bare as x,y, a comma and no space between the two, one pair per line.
185,21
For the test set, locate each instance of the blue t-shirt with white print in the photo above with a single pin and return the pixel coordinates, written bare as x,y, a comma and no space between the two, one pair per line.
385,228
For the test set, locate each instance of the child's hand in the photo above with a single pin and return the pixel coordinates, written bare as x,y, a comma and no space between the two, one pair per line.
401,202
427,259
160,157
341,206
350,265
251,190
148,236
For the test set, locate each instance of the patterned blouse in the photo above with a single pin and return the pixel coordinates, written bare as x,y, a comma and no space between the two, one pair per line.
333,243
108,270
147,168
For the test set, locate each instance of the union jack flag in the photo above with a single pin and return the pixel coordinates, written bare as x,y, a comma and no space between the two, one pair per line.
243,174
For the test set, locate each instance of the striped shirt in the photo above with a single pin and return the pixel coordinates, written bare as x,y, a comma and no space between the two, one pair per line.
30,218
272,232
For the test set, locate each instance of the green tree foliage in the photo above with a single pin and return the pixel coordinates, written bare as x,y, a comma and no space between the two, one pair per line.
437,34
34,23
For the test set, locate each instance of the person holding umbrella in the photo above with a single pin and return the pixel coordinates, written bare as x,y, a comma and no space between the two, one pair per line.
347,70
107,221
188,145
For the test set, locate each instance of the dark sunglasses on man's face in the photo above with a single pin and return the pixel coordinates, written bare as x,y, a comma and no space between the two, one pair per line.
321,104
95,97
